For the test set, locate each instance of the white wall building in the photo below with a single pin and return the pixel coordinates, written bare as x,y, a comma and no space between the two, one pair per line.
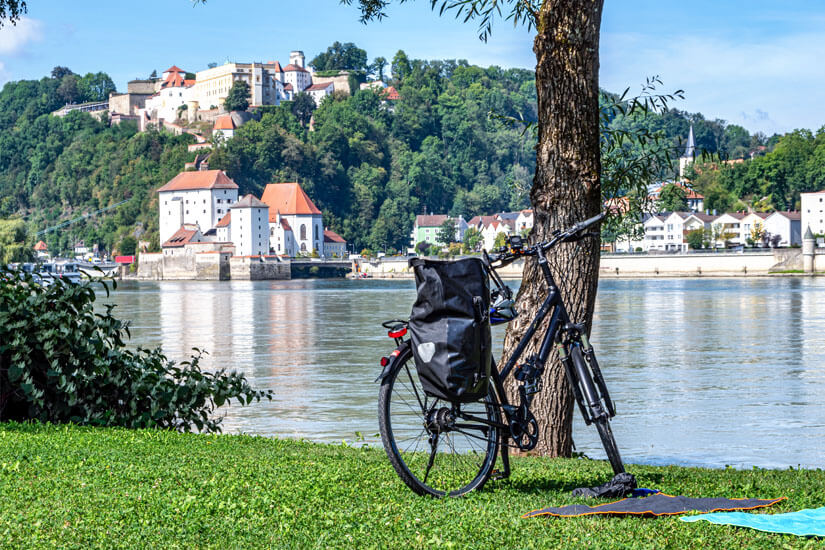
288,201
786,224
174,93
654,228
319,91
492,230
728,224
223,231
281,237
750,223
200,198
813,212
250,227
296,74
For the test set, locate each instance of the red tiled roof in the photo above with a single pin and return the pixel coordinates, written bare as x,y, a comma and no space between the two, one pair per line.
287,87
181,237
288,199
224,122
430,221
204,179
331,236
40,246
226,220
174,69
296,68
285,224
480,220
277,66
317,87
391,94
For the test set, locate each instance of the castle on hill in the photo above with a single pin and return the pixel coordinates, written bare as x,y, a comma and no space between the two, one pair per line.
201,210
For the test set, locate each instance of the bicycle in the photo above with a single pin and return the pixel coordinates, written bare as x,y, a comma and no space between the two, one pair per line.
442,448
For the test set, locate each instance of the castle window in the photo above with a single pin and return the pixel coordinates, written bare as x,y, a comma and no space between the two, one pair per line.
303,234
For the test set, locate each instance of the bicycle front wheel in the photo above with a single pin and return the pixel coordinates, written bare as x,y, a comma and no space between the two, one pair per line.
437,448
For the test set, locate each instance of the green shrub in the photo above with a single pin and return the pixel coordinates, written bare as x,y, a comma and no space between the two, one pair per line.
62,362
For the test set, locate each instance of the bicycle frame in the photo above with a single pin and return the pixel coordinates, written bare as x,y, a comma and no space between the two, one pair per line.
587,397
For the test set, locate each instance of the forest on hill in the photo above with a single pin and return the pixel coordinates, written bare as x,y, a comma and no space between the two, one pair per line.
449,145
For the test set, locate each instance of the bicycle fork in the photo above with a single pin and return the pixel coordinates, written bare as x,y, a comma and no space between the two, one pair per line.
588,389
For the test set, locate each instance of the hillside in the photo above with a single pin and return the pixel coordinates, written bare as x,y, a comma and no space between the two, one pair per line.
369,167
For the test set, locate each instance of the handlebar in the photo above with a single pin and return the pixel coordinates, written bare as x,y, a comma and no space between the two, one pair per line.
572,234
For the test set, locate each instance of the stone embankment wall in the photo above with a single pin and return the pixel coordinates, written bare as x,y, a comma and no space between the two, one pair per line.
256,268
203,266
210,266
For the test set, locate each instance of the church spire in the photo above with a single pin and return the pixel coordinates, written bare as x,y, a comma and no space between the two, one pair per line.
690,149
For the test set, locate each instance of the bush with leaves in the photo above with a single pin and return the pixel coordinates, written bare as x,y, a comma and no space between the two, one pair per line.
62,362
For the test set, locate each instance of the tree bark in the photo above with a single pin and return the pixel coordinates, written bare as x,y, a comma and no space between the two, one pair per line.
566,189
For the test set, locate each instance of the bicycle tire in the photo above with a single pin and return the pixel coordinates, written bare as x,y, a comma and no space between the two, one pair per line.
461,463
602,422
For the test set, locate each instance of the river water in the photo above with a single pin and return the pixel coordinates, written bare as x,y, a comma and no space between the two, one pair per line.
708,372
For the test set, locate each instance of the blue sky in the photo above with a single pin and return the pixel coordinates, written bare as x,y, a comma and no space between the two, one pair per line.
755,63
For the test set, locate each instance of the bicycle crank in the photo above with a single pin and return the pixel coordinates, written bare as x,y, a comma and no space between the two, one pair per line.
525,431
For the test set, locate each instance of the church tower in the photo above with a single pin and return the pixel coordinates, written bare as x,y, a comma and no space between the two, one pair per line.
688,157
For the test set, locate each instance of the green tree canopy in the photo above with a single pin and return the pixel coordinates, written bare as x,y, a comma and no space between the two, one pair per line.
13,242
446,233
341,57
673,198
238,97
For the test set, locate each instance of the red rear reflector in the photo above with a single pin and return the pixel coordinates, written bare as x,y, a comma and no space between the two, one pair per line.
397,333
384,361
395,353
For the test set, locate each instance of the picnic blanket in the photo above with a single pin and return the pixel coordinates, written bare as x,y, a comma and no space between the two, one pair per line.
810,522
656,505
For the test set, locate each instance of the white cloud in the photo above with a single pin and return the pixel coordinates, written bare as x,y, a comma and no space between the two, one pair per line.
14,38
732,79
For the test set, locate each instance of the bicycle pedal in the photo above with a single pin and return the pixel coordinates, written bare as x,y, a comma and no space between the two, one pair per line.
498,475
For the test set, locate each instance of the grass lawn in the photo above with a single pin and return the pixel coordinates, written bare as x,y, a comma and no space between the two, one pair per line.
73,487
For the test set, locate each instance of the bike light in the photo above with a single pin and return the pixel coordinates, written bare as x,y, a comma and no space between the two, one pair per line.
385,361
397,333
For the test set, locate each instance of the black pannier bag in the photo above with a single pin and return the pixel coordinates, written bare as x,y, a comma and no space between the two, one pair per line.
450,328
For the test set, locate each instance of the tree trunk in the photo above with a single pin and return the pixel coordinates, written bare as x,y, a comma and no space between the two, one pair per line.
566,189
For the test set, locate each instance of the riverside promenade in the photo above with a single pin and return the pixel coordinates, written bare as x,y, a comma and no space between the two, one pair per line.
778,261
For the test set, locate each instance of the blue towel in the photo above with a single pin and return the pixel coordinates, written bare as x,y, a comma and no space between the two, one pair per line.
803,523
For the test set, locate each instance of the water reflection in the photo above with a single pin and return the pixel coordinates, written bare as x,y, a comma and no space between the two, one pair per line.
704,371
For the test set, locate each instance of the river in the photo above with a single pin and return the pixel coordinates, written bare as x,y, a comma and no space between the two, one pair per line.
709,372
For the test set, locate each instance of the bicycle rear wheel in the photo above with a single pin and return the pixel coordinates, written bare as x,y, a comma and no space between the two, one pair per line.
602,422
436,447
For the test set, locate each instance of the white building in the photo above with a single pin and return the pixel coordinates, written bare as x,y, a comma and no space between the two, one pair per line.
200,198
223,231
674,235
525,221
289,202
319,91
250,227
728,229
492,230
788,225
813,212
224,127
174,93
296,74
751,223
654,228
281,237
